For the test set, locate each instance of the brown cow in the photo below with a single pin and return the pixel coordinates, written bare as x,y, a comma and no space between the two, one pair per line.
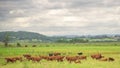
18,58
103,59
96,56
56,53
44,57
81,57
111,59
27,55
72,58
59,58
10,60
29,58
107,59
51,58
78,61
36,59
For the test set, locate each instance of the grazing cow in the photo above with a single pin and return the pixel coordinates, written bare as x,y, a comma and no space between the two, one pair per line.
18,58
78,61
59,58
27,55
10,60
56,54
36,59
111,59
96,56
51,58
44,57
81,57
107,59
80,53
72,59
103,59
29,58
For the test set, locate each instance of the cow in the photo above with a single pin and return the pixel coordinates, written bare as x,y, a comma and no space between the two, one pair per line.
96,56
18,58
56,53
103,59
78,61
59,58
27,55
10,60
45,57
111,59
81,57
71,58
107,59
36,59
51,58
29,58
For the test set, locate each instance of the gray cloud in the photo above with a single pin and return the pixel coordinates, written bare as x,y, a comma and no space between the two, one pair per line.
61,17
88,3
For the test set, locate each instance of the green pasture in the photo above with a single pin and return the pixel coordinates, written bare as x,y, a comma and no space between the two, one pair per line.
66,49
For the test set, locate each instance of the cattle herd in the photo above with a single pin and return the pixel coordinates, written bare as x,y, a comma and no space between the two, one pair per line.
57,57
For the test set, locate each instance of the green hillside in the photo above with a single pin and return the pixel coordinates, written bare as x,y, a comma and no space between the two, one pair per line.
23,35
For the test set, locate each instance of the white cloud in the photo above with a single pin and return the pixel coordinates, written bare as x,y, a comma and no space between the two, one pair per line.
71,18
18,11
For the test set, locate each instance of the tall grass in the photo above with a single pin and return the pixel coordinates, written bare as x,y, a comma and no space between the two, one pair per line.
106,49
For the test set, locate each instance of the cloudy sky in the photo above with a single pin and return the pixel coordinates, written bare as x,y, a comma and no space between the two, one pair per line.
61,17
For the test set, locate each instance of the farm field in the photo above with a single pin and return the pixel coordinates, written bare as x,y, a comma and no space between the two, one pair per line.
66,49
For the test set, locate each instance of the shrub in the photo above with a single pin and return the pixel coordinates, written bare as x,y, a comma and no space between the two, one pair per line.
26,45
18,45
33,45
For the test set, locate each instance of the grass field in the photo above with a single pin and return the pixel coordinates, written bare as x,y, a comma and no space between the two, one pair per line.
107,49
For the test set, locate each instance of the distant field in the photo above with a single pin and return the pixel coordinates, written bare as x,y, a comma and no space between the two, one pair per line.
107,49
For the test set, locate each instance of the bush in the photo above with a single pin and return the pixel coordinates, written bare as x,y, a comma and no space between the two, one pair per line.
18,45
26,45
33,45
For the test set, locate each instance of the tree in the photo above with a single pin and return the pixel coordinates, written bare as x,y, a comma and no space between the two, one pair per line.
118,39
62,41
6,40
18,45
78,40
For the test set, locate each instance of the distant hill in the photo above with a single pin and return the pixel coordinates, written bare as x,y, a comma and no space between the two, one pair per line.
90,38
23,35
